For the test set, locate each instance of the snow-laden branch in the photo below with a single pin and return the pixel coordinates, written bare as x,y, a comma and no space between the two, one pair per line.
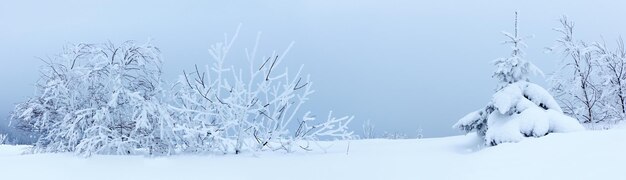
590,81
228,109
100,99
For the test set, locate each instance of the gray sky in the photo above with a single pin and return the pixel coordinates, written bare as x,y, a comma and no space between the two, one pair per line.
400,63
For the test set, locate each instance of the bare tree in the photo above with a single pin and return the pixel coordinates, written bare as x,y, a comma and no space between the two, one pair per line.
580,94
613,72
368,130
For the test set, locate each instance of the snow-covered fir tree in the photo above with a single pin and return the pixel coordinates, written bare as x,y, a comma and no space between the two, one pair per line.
100,99
519,108
514,68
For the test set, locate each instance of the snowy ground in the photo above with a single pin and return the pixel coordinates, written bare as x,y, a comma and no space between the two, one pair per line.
580,155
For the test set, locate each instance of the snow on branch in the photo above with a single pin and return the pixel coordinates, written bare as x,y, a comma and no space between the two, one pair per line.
100,99
227,109
590,82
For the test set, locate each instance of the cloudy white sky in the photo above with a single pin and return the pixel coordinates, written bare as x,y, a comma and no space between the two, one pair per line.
402,64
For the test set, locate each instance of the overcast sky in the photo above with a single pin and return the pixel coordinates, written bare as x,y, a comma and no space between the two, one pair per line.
403,64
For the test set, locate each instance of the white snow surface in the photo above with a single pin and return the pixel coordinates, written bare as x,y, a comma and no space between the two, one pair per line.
577,155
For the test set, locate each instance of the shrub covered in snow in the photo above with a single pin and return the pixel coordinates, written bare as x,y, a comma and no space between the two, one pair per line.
519,108
229,110
102,99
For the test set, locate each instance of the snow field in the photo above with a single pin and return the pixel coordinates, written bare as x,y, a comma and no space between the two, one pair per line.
555,156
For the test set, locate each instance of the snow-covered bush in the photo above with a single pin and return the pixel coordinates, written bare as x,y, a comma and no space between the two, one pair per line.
519,108
100,99
226,109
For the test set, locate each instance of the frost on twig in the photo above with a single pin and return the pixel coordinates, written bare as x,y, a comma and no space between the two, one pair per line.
227,109
100,99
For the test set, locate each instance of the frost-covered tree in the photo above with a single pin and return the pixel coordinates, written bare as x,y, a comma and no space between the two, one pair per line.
579,93
588,78
612,80
368,130
519,108
100,99
229,110
420,132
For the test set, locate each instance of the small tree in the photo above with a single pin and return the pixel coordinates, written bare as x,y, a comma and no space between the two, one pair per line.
226,109
508,70
582,94
100,99
368,130
420,132
519,108
612,80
